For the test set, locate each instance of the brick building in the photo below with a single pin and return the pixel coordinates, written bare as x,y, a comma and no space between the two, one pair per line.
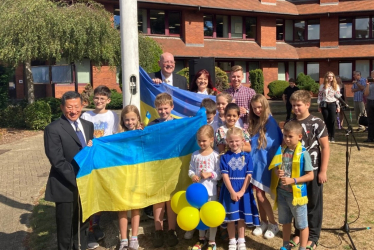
281,37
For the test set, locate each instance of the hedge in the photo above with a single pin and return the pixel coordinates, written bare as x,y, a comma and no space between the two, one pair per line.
276,88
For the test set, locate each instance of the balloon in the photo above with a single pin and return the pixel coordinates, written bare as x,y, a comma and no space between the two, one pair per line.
197,195
179,201
188,218
202,226
212,213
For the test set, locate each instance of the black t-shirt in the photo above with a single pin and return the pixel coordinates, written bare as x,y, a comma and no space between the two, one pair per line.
289,91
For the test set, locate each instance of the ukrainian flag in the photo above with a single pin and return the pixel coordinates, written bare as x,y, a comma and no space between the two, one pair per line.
135,169
186,103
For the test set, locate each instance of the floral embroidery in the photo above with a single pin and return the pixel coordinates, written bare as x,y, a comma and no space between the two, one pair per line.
236,164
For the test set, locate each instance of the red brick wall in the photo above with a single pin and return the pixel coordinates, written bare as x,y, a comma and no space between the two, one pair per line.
267,31
329,1
61,89
270,71
20,87
104,76
329,32
193,30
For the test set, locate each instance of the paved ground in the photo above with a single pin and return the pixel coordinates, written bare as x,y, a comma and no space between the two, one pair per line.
24,169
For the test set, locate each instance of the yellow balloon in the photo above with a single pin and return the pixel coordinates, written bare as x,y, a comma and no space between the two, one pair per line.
179,201
212,213
188,218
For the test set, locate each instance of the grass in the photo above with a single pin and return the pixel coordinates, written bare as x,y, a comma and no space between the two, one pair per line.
360,177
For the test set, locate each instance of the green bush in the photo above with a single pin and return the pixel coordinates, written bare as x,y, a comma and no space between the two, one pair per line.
305,82
54,104
12,117
4,82
37,115
276,89
116,100
257,80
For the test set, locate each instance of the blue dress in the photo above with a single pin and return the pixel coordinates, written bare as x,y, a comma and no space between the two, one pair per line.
246,208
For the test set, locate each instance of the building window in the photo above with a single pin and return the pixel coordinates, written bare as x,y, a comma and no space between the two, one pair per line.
281,71
345,71
364,67
299,68
222,26
362,27
280,29
345,28
299,31
289,30
312,70
313,29
174,22
83,70
157,21
356,28
142,21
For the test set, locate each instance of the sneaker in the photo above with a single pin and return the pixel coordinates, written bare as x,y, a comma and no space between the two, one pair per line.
273,229
199,245
98,233
158,239
134,244
332,140
124,245
212,247
232,247
259,230
172,238
242,246
189,234
91,241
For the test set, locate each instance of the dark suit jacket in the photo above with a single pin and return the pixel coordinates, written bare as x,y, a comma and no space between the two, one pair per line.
178,80
61,144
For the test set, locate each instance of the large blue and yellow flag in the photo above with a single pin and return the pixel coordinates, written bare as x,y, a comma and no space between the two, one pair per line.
135,169
186,103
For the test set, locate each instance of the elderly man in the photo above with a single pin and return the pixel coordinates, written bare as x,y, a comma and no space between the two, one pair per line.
63,139
166,74
358,88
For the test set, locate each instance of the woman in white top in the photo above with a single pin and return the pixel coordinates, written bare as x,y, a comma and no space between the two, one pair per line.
202,83
328,104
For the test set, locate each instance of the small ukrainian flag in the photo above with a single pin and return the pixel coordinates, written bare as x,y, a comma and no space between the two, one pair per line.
147,118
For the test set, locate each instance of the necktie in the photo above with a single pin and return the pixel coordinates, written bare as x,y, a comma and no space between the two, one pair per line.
80,135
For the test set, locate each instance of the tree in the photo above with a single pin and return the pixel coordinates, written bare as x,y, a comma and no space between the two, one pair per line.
257,80
49,30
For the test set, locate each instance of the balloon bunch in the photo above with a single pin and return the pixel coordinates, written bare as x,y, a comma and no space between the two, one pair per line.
186,205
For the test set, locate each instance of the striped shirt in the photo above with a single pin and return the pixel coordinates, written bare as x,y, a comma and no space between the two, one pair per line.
358,96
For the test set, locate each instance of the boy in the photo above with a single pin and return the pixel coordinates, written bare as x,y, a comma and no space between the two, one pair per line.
315,141
211,110
295,170
164,105
105,123
287,94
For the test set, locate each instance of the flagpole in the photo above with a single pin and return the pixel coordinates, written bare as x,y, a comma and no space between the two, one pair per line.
129,52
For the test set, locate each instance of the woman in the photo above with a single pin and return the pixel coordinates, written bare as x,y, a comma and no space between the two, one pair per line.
202,83
341,86
328,104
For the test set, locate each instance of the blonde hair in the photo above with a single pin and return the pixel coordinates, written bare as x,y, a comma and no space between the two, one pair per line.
334,84
164,98
235,131
236,68
206,130
301,95
126,110
257,123
227,96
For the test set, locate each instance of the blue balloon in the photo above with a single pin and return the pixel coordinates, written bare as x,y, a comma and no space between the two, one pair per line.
202,226
197,195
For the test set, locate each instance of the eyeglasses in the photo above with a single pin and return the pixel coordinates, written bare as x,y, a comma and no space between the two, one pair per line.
168,62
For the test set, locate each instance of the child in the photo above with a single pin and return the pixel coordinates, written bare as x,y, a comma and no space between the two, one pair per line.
286,96
211,110
105,123
295,170
130,120
204,168
238,200
315,140
232,114
164,105
266,137
222,100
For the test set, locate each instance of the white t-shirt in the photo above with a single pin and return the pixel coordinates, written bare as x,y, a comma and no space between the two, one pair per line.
208,163
104,124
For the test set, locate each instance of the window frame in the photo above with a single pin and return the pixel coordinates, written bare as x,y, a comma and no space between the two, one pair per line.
371,28
306,32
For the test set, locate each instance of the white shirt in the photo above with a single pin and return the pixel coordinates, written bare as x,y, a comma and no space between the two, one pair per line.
80,126
168,80
104,124
205,92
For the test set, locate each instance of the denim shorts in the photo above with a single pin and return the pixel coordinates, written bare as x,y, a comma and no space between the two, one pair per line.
286,210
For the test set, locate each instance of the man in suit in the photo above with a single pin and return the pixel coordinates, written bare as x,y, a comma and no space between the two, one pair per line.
63,139
166,74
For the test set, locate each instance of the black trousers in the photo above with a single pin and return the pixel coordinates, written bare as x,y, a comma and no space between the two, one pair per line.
329,116
370,114
315,208
67,220
289,109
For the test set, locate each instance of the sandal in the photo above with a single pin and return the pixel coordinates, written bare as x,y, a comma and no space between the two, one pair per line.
293,244
312,246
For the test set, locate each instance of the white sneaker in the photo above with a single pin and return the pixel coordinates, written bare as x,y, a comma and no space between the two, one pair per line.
134,244
232,247
273,229
259,230
242,246
124,245
189,234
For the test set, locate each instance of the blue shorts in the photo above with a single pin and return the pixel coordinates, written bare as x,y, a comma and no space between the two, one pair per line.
287,211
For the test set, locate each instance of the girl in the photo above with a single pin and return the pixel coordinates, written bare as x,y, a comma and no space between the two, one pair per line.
232,114
328,104
266,137
204,168
130,120
222,100
202,83
238,200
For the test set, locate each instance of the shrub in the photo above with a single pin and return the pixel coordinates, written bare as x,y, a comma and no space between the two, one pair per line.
276,89
4,81
116,100
12,117
54,104
257,80
305,82
37,115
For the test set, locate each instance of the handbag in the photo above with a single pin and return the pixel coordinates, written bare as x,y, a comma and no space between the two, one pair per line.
363,121
323,104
